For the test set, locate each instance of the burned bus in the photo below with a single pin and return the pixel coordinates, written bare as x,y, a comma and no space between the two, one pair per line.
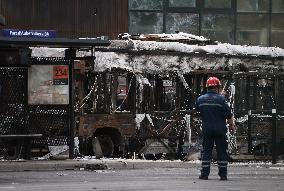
138,96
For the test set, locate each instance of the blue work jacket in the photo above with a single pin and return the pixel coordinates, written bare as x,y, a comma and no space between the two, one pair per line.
214,111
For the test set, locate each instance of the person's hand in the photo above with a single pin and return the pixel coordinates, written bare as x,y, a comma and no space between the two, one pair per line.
232,125
232,128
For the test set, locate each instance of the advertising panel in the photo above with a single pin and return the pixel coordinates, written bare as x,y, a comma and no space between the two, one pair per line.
48,84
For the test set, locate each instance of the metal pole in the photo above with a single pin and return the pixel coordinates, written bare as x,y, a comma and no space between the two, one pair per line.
249,133
71,109
274,126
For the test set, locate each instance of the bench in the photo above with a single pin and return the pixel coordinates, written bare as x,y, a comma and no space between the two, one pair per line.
11,136
25,140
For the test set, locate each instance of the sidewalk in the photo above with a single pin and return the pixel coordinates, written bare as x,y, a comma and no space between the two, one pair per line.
103,164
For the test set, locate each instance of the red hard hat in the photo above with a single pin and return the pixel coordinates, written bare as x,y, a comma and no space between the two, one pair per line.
212,82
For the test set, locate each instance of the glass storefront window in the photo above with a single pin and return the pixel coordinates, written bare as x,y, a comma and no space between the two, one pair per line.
145,22
183,22
252,19
278,6
218,27
252,29
146,4
277,38
277,30
252,5
182,3
277,22
217,3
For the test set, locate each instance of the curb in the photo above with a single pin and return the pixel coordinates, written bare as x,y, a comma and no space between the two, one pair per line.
97,164
29,165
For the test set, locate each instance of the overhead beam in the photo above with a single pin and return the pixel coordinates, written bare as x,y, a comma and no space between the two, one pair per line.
17,42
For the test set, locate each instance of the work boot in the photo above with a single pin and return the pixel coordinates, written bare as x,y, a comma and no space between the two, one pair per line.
203,177
223,178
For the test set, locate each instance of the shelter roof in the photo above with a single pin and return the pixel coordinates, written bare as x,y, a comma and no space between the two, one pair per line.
16,42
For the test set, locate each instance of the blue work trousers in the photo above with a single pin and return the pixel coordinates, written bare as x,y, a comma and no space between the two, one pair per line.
220,139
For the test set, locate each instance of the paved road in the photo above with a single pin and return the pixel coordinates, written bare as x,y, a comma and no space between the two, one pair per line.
241,177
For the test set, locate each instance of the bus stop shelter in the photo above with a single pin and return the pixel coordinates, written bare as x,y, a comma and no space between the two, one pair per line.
37,93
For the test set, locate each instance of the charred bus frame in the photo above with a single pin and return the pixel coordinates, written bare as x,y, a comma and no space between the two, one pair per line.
152,118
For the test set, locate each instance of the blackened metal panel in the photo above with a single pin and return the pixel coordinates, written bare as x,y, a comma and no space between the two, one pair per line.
70,18
52,122
13,98
13,108
101,18
58,15
18,13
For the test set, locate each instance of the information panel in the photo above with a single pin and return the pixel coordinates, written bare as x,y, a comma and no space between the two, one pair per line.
28,33
48,84
60,75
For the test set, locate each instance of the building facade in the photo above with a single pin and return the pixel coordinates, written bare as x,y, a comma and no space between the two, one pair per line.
251,22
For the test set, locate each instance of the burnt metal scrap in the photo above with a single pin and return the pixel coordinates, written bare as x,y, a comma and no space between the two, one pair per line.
178,37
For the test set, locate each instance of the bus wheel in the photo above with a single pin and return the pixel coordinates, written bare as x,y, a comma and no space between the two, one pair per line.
102,146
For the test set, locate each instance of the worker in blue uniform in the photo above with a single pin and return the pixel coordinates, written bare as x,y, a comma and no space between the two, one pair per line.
215,114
